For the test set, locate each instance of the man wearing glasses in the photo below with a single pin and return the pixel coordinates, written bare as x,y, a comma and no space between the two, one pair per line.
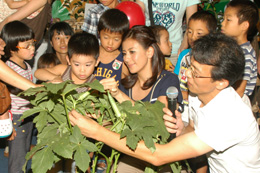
221,124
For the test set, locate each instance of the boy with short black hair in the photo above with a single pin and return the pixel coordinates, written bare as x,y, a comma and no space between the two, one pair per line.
111,32
240,19
83,50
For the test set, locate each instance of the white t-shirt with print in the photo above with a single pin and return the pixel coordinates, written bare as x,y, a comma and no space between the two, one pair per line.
169,13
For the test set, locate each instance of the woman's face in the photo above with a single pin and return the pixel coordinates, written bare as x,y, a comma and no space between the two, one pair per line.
135,56
60,42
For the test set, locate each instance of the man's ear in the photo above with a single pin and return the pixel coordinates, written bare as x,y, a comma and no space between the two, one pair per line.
150,52
222,84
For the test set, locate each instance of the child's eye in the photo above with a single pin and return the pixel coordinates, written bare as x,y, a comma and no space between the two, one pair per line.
76,64
67,37
88,65
124,54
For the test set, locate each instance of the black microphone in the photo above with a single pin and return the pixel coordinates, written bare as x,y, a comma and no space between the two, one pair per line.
172,94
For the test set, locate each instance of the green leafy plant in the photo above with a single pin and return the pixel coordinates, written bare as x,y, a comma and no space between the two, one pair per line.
57,139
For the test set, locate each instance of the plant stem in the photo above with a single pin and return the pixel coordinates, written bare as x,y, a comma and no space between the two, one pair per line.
116,161
67,114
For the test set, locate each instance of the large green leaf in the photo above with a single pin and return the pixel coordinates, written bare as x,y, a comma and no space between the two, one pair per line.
30,112
82,158
43,160
50,131
55,88
76,138
41,120
63,147
89,146
32,91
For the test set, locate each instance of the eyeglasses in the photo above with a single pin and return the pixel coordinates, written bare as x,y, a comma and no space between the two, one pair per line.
28,46
193,73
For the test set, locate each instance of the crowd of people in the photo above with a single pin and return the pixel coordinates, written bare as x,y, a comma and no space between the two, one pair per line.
214,71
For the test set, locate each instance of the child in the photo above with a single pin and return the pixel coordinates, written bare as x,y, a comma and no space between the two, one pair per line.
47,60
240,19
59,35
110,57
162,37
83,49
20,46
200,23
93,15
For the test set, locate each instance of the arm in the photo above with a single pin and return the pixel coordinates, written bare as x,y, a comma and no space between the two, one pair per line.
189,12
24,11
12,78
240,87
49,74
183,147
16,4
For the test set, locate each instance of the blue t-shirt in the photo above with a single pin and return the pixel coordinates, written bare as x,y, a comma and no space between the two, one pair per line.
112,69
178,64
163,82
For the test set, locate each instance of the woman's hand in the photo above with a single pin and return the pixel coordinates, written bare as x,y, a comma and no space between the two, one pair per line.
173,125
111,85
88,127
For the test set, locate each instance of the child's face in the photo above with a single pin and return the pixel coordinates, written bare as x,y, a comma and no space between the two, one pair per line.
82,67
165,45
196,29
230,25
59,42
136,58
108,3
110,42
26,50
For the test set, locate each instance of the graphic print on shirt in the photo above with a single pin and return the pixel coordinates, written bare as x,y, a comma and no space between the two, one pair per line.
110,70
163,13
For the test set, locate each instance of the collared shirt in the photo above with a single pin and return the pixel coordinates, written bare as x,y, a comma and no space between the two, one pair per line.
92,18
